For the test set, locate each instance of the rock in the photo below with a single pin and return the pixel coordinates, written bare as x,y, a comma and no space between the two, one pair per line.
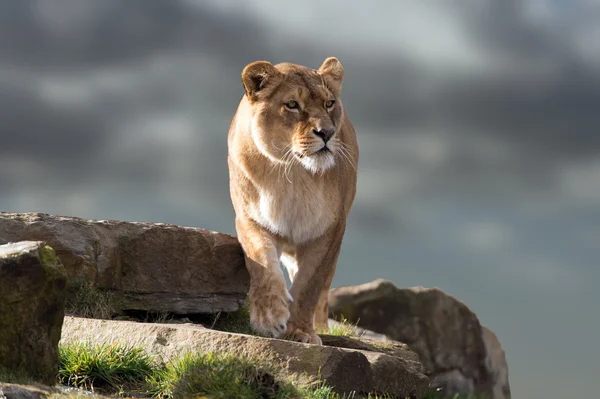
14,391
38,391
495,361
347,370
153,266
33,285
389,347
456,351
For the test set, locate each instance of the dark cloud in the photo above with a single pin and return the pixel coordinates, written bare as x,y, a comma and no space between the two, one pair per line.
542,119
546,103
92,33
559,117
111,51
33,127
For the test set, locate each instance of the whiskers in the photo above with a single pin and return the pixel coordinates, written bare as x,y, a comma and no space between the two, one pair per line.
317,163
291,160
287,160
346,154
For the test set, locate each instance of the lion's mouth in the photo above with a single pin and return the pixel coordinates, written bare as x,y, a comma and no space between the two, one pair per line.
323,150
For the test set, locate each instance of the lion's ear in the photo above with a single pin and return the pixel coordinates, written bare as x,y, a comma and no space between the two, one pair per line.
333,72
257,75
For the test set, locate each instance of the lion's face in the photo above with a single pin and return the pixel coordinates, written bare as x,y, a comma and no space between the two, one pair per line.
297,114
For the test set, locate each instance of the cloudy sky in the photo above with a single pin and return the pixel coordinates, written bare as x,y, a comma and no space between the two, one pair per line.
478,122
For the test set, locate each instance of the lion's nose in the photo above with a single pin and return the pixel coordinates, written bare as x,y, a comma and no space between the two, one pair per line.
324,133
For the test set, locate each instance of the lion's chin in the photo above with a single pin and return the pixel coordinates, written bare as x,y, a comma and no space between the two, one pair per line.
318,162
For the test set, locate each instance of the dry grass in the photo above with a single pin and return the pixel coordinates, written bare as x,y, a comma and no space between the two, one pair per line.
86,300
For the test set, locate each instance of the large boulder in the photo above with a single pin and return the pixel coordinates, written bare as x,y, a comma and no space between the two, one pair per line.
366,368
33,291
151,266
457,353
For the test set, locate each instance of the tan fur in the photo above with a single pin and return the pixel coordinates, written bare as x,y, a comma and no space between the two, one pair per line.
291,201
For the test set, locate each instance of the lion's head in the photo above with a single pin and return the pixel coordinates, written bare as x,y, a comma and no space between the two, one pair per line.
296,112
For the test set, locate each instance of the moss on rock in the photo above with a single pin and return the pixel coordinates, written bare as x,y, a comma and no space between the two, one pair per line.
33,284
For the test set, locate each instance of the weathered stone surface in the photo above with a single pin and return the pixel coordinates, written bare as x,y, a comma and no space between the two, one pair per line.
38,391
14,391
155,266
455,350
32,298
346,369
495,361
389,347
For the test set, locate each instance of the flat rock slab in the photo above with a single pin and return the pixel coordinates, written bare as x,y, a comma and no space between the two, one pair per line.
32,298
153,266
347,370
389,347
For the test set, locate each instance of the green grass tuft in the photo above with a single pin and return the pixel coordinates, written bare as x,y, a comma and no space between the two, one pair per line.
322,391
220,376
343,329
108,367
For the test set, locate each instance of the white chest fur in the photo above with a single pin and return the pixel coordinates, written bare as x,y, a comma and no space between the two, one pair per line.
299,217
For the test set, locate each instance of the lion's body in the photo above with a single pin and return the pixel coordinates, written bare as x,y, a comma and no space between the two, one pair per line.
292,183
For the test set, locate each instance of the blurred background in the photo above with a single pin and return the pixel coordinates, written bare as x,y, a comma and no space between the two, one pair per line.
478,123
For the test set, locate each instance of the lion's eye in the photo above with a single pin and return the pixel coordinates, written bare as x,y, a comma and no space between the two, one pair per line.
291,105
329,103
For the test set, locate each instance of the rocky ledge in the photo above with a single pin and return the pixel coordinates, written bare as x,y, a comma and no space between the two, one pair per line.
153,267
361,369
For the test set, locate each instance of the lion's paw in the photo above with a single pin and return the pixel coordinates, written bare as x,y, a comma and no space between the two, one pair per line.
269,312
304,335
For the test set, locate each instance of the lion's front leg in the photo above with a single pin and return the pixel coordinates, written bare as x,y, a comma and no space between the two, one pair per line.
321,318
316,265
269,296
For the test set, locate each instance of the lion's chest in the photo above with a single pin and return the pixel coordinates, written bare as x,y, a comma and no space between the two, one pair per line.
299,217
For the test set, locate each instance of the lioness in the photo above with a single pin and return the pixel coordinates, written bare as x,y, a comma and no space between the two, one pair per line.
292,155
